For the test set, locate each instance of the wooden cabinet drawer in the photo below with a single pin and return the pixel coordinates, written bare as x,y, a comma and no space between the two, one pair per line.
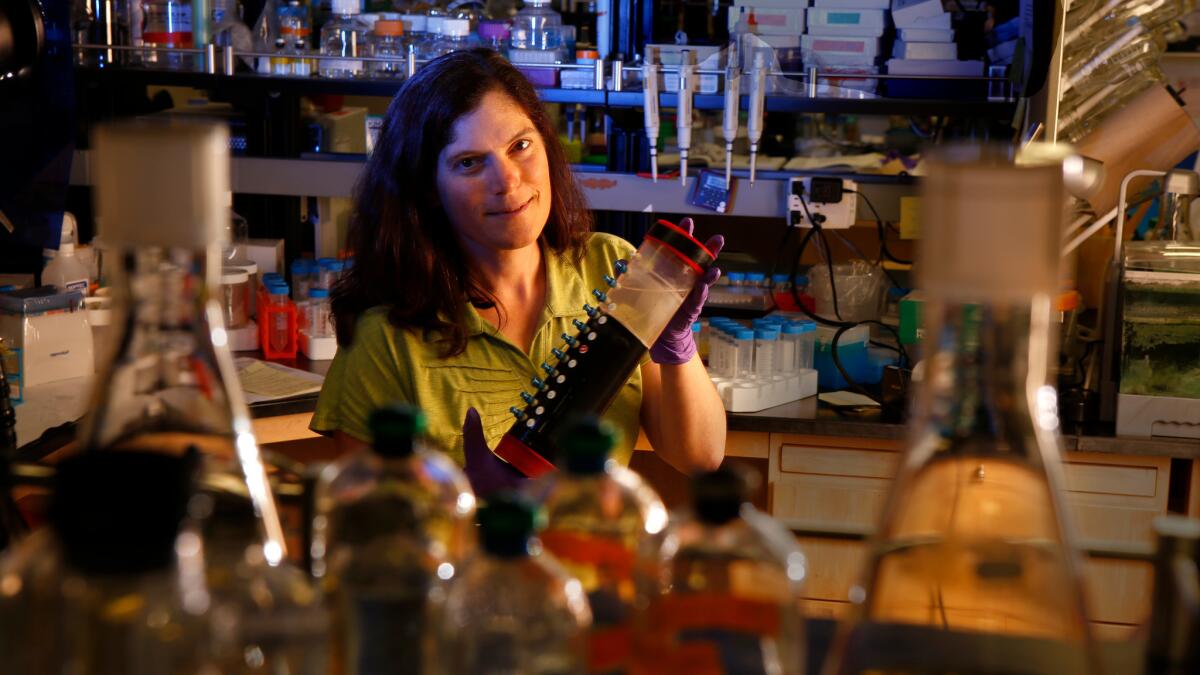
838,461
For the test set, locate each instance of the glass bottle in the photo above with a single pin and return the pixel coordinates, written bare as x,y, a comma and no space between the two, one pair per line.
169,386
512,609
168,23
344,34
394,522
390,42
456,36
114,585
600,517
537,34
971,568
722,594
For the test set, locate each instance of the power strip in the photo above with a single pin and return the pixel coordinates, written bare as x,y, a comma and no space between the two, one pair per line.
828,199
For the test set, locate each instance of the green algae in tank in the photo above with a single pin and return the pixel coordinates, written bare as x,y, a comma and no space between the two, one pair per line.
1160,336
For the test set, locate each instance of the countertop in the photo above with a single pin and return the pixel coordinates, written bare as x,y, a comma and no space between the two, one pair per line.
806,417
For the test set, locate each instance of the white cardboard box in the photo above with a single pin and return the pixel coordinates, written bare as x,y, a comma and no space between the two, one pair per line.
925,50
771,20
833,50
927,34
847,22
853,4
904,12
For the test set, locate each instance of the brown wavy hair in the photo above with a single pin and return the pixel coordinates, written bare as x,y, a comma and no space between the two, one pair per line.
406,256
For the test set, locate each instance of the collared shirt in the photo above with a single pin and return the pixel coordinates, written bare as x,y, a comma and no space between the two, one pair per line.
386,364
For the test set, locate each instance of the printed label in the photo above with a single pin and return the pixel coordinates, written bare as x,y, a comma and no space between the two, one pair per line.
843,18
848,46
80,285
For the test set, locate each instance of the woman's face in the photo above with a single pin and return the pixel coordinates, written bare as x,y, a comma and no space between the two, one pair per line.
493,178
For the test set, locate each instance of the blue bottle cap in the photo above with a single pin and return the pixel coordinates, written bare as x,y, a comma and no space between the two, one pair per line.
317,293
766,334
696,326
278,289
299,266
756,276
779,278
737,276
323,262
335,266
793,328
808,326
272,276
801,279
744,334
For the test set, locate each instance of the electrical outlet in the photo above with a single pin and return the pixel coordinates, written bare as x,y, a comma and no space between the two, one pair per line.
828,199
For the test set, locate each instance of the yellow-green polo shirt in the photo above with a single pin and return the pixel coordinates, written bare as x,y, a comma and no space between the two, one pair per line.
385,364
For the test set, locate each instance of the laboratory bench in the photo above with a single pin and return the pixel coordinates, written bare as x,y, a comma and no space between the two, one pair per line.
827,474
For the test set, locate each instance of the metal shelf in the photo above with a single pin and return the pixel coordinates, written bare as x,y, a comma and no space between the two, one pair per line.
336,176
849,106
593,97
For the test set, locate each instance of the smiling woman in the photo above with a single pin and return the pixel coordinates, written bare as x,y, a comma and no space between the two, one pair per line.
474,256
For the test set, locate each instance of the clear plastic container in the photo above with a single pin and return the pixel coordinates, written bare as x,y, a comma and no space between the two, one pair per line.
168,23
737,280
344,34
279,333
235,297
329,270
860,292
744,339
513,609
390,42
494,34
766,361
599,517
393,524
301,278
723,593
456,36
789,347
808,343
416,30
318,322
647,296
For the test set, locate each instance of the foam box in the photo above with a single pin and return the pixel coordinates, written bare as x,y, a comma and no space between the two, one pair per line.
842,51
266,253
771,20
905,12
755,395
853,4
847,22
942,21
925,50
927,34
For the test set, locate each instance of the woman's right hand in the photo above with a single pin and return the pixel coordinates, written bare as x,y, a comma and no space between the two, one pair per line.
487,472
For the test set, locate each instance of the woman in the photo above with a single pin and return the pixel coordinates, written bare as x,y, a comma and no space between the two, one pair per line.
473,254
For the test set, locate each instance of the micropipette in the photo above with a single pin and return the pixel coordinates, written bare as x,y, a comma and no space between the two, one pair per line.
683,110
650,109
733,77
758,90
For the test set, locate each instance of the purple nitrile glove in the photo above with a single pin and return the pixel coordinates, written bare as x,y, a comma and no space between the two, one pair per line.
676,345
487,472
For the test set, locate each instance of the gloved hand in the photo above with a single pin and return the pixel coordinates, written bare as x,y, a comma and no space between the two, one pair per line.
487,472
676,345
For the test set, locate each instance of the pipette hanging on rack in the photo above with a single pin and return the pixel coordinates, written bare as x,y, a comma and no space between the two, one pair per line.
683,111
729,126
650,108
758,90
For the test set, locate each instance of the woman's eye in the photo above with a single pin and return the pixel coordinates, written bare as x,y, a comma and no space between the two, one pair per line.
468,163
523,144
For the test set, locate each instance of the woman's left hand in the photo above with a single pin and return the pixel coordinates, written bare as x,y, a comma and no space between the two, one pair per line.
676,345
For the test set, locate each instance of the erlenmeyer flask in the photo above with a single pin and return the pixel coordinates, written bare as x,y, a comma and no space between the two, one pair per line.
172,386
972,569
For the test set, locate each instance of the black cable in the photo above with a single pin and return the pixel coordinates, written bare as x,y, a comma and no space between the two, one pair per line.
842,326
816,227
883,249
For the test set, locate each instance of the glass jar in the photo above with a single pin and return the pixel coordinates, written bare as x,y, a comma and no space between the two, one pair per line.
390,42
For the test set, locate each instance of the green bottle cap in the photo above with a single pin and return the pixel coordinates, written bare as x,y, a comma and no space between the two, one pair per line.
393,428
586,443
506,524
